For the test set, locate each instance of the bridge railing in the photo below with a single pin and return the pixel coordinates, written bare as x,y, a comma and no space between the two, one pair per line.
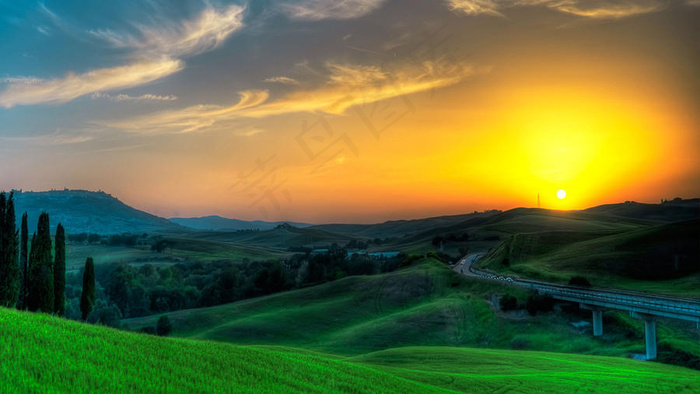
622,298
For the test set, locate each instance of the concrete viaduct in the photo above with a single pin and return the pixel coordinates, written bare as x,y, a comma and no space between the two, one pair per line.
641,306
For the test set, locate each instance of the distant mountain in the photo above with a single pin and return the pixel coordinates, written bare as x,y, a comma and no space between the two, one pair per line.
82,211
219,223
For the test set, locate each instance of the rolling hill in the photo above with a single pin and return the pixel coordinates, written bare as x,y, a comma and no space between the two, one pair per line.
663,258
280,238
669,211
401,228
218,223
82,211
44,353
425,304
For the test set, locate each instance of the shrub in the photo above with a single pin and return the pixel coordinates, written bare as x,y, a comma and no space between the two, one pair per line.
163,327
519,344
148,330
537,302
508,302
580,281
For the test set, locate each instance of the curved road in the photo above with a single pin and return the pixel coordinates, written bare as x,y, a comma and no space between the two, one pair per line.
639,303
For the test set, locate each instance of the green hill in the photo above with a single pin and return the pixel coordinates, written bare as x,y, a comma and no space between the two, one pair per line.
48,354
662,258
82,211
424,304
280,238
670,211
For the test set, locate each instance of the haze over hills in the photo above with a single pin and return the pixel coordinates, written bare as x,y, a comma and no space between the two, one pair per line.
215,222
100,212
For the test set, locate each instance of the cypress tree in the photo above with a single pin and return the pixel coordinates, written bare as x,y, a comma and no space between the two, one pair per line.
87,299
23,264
41,295
9,248
59,271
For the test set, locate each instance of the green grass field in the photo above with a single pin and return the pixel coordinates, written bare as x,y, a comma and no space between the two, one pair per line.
46,354
425,304
179,248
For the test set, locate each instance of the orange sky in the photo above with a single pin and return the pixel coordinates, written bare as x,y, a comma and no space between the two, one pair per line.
282,121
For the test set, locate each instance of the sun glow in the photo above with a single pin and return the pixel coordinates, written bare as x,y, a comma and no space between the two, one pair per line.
561,194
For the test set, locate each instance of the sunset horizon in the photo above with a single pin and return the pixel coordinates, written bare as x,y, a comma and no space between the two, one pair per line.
354,114
350,196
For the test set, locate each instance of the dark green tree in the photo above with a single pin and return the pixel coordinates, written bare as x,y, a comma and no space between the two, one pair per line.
163,327
119,287
87,299
9,248
41,295
24,264
59,272
580,281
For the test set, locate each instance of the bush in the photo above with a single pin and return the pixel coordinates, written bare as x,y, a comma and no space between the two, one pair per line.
105,314
580,281
163,327
519,344
508,302
148,330
537,302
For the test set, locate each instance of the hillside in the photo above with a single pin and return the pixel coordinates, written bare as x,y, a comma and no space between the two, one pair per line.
669,211
400,228
218,223
45,353
82,211
488,230
662,258
424,304
280,238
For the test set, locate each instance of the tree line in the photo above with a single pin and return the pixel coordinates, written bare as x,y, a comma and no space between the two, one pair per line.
33,276
133,290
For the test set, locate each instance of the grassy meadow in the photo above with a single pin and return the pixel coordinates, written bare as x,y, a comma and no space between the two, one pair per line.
48,354
425,304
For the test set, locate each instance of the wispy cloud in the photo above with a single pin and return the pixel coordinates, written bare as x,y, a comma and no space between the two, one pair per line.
282,80
346,85
156,53
314,10
249,132
72,86
126,97
21,80
58,137
475,7
209,30
597,9
609,9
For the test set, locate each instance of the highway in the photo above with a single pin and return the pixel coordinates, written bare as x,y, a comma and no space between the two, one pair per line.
638,303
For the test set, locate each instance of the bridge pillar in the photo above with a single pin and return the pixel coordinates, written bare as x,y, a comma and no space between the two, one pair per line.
649,333
597,318
650,337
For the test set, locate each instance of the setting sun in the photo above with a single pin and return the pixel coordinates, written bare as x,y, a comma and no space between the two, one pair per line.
561,194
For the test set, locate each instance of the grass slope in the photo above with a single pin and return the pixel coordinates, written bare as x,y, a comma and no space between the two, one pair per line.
47,354
482,370
278,238
661,258
424,304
